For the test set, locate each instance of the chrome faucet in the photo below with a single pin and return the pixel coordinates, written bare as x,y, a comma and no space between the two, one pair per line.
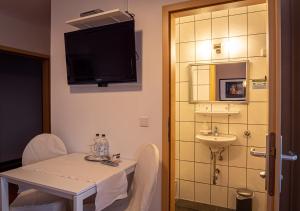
216,132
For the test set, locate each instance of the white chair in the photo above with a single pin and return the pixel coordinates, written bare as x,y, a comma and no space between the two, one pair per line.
41,147
144,183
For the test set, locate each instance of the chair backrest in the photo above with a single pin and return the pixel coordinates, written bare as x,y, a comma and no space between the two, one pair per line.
43,147
145,179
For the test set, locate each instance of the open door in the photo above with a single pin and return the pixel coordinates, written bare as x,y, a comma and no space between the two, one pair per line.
279,153
281,86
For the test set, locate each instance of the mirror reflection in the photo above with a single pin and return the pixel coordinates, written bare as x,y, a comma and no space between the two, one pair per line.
218,82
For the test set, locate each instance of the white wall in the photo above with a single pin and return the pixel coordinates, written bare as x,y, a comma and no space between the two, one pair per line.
18,33
77,116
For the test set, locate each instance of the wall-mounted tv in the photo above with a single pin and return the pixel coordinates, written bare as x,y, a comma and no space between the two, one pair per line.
101,55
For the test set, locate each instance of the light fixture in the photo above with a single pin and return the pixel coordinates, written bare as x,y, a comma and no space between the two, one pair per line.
218,48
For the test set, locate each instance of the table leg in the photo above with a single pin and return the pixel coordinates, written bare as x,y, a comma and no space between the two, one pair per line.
77,203
4,204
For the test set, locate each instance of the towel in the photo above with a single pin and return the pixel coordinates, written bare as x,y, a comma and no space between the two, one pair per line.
110,190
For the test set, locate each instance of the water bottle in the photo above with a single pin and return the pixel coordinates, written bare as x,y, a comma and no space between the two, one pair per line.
97,146
105,144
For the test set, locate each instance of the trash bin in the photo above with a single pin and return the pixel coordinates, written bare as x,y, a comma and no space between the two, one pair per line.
244,199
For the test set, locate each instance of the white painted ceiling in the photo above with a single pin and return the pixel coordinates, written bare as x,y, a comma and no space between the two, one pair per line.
35,11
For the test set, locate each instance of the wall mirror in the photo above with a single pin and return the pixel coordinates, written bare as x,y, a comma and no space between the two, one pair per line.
219,82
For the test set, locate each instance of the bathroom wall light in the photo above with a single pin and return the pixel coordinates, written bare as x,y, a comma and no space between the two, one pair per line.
218,48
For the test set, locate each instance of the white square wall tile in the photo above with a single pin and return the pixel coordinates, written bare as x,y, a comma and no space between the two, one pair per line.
187,52
220,27
219,196
177,49
200,126
237,177
187,190
177,130
256,43
177,33
223,175
177,169
256,162
177,92
202,153
187,112
177,188
203,16
231,198
257,7
202,173
257,22
202,193
187,151
186,131
177,72
238,130
186,19
187,32
258,94
238,10
177,150
237,156
258,135
177,111
258,113
258,67
203,29
237,47
184,91
260,201
203,50
254,181
187,170
242,116
219,13
238,25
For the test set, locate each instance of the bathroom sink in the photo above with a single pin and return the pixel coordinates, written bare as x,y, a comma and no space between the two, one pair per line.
222,140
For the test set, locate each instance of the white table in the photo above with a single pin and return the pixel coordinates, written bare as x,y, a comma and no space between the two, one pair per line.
68,176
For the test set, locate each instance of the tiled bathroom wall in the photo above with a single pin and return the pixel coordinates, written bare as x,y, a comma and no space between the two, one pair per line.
243,34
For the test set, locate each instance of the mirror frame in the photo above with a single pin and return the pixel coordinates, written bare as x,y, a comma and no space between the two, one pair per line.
189,68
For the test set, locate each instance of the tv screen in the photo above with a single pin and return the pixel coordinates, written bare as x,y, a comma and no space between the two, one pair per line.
101,55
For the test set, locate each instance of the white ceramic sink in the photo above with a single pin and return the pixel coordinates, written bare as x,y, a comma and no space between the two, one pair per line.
222,140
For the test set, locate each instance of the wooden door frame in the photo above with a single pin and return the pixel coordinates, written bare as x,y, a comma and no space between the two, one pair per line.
168,107
45,59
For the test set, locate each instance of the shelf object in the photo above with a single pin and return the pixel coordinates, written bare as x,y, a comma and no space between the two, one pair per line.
217,112
100,19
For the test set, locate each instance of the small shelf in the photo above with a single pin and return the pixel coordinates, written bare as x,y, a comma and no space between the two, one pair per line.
100,19
217,112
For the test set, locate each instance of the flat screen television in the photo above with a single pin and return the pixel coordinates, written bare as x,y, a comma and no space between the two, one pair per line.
101,55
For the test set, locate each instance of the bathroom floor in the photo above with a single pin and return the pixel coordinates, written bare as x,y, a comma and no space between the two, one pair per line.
183,205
